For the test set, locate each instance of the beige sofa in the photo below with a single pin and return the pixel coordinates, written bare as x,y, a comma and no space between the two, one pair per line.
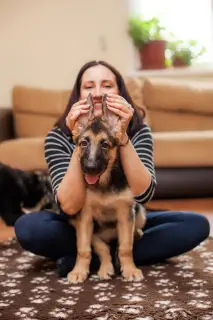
180,114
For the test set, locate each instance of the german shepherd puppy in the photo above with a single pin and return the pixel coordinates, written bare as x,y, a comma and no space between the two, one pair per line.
109,211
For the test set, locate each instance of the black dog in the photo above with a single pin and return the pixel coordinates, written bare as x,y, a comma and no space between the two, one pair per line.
20,189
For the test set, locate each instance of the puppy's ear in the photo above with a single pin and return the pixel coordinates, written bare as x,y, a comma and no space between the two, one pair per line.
84,119
111,119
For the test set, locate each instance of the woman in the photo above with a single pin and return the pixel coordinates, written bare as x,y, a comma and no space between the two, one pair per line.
166,234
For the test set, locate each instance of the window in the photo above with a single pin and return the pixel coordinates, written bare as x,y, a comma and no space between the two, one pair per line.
187,19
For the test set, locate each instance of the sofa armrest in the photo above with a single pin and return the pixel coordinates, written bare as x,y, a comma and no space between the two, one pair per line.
6,124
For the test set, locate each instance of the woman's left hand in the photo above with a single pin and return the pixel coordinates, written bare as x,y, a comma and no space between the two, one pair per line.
123,109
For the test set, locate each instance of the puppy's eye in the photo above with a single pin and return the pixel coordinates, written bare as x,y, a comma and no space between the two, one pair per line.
105,145
84,143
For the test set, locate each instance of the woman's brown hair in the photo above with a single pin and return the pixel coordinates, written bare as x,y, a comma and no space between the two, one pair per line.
136,122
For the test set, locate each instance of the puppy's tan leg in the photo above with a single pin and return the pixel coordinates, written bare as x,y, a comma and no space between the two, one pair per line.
84,230
106,269
125,226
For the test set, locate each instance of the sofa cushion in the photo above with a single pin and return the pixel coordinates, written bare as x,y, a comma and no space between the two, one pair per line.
24,153
40,101
186,96
134,86
33,125
178,121
35,110
183,149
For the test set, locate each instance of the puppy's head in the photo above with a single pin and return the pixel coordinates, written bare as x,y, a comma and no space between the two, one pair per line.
98,140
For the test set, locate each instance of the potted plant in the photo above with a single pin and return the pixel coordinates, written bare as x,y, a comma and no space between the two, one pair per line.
184,52
147,36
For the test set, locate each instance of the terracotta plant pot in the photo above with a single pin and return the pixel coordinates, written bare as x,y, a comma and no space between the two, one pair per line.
152,55
177,62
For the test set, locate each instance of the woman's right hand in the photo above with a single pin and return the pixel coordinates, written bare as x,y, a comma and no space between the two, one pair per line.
78,108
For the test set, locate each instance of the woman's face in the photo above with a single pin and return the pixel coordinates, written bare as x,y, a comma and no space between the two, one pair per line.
98,80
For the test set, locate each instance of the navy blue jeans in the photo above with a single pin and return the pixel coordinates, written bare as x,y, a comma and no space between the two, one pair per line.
166,234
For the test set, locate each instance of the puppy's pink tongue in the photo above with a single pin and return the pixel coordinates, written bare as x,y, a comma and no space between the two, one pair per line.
91,179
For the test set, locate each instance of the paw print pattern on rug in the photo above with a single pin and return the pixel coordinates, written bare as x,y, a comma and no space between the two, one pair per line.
94,278
67,302
135,297
131,309
144,318
106,317
25,266
162,303
23,260
11,293
63,281
185,266
206,255
197,283
199,294
41,290
40,280
16,275
168,292
133,287
6,303
209,269
49,273
61,313
39,298
10,283
184,274
156,274
95,308
4,259
176,314
9,252
40,295
30,254
207,316
103,286
2,266
200,304
165,283
26,312
73,290
104,296
184,258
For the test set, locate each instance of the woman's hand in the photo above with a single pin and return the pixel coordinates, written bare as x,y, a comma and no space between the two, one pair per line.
76,110
123,109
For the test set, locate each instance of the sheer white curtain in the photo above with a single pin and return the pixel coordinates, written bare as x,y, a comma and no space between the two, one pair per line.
187,19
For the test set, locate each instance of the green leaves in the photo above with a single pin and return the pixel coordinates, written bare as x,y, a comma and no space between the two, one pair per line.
143,31
186,51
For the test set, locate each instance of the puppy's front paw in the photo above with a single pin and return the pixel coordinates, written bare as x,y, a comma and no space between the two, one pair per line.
106,271
131,273
77,275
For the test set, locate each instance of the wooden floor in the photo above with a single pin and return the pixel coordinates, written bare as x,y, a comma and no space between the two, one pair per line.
203,206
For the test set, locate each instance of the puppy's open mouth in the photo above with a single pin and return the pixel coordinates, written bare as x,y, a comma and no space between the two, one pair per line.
91,178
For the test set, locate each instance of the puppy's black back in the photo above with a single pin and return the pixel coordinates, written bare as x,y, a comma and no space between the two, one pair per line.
18,189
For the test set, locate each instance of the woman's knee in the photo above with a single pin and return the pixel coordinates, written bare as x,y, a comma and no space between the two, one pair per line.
28,228
198,225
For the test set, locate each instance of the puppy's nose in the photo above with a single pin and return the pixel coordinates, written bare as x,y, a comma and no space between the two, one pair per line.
91,167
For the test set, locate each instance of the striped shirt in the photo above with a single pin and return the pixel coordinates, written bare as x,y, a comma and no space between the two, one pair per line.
59,148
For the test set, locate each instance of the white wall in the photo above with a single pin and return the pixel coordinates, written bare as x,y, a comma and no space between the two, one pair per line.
43,43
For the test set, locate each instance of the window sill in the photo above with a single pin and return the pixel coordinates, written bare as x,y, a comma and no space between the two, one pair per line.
192,71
